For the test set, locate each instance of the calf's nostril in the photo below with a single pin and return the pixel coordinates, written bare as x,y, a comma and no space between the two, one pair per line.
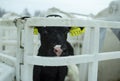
57,50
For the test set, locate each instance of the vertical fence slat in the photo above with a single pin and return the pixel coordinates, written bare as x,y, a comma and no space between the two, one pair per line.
1,38
94,44
19,55
28,50
85,50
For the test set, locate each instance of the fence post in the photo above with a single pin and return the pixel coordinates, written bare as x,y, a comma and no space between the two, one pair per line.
28,51
94,49
1,38
90,46
19,23
85,50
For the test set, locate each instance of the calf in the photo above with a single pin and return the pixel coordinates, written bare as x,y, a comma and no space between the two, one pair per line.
53,43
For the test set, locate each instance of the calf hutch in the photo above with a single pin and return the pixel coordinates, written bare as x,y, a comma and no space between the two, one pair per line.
19,46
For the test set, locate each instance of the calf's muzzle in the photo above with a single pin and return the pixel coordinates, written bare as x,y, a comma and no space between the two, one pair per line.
57,50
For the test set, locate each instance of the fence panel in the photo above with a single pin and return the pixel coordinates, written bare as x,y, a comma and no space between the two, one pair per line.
92,42
88,60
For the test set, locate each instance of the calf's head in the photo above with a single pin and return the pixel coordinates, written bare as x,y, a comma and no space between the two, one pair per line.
54,40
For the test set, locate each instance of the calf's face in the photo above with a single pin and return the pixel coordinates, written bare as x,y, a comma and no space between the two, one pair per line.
54,39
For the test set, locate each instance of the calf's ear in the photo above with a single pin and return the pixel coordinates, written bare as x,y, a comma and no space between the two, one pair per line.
40,29
76,31
82,28
37,30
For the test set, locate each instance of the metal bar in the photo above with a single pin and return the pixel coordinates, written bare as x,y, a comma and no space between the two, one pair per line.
71,22
94,49
78,59
28,47
59,61
4,57
108,56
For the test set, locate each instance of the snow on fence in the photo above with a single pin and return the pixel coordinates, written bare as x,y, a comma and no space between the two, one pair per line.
90,56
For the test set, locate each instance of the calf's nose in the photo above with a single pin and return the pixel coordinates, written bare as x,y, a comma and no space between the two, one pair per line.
57,50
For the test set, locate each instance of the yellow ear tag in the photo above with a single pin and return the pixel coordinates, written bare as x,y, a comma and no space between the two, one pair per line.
35,32
76,31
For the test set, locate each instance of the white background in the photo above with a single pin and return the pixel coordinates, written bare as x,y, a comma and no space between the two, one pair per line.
77,6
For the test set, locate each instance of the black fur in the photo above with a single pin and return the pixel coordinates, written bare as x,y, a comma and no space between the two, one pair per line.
51,36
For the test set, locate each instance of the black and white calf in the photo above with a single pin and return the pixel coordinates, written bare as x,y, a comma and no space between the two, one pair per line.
53,43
